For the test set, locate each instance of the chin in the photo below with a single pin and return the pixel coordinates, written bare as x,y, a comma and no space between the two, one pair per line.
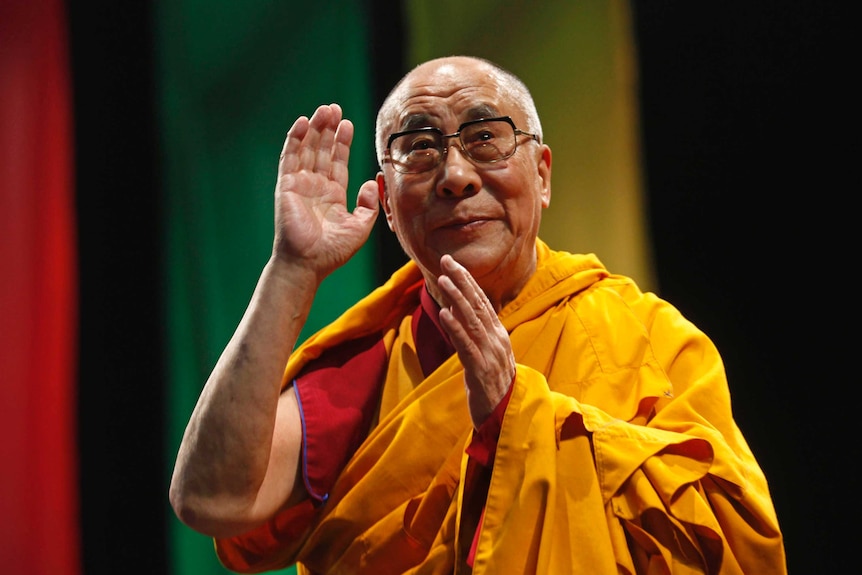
479,262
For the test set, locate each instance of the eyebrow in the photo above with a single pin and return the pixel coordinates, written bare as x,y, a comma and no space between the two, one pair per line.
414,121
423,120
482,111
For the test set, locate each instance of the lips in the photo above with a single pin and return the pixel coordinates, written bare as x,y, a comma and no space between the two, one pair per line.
465,224
462,222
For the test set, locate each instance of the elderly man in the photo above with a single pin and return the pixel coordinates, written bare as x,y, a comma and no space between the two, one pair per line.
495,407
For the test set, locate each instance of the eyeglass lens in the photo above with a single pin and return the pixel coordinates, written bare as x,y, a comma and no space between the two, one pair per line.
485,141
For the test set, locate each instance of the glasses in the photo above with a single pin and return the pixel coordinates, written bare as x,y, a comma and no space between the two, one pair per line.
484,141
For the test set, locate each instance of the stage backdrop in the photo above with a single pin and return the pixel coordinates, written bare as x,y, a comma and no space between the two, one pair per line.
39,509
232,77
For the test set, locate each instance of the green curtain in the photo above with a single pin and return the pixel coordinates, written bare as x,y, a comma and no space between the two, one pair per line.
232,77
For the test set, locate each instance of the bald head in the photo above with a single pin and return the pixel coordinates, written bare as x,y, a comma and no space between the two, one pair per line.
448,70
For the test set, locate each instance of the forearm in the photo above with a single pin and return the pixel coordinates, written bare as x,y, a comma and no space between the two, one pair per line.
227,449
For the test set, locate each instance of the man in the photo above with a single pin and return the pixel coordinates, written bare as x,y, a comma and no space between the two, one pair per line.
495,407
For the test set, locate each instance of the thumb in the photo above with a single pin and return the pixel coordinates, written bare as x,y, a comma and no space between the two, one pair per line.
367,205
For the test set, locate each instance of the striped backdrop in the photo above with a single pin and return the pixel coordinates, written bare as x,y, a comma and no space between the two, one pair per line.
138,150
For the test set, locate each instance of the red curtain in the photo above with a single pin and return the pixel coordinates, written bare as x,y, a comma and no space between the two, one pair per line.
38,294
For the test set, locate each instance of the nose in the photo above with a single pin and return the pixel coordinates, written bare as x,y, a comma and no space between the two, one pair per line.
458,176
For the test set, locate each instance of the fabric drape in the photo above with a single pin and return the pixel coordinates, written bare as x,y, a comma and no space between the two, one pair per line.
39,506
617,453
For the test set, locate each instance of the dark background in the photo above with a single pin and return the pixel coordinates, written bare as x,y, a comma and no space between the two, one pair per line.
749,131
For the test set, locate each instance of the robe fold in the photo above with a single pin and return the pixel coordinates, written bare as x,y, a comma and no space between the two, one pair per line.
617,452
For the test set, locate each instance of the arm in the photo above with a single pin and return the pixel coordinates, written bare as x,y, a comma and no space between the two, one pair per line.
238,462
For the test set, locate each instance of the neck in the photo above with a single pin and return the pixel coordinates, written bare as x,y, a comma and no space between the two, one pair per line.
496,293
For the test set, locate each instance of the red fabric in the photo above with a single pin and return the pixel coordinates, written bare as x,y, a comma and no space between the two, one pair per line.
432,344
481,450
338,397
38,296
266,541
471,557
484,443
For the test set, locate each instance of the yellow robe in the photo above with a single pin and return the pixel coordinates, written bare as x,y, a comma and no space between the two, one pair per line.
617,454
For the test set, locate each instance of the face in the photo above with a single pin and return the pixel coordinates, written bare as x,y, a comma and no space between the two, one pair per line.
485,215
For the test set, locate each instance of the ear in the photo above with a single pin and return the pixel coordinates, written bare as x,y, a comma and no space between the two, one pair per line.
544,168
383,193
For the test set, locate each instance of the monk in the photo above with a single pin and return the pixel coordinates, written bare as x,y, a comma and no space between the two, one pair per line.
495,407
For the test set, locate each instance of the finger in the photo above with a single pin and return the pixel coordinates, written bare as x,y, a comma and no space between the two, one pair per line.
367,206
469,318
467,298
452,326
463,326
311,143
341,152
289,159
479,338
323,158
367,197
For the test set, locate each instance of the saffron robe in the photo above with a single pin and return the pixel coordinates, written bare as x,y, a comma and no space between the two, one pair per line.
617,453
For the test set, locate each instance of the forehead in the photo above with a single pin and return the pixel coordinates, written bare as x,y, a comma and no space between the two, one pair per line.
446,94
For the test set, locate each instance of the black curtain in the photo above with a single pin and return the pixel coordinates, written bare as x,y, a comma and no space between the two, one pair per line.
748,129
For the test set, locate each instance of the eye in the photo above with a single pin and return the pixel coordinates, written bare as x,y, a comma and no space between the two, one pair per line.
485,135
481,136
411,144
422,142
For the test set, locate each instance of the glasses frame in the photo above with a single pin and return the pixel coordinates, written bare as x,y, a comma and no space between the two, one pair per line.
462,147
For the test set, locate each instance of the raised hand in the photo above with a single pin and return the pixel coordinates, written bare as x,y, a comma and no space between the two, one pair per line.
313,227
481,341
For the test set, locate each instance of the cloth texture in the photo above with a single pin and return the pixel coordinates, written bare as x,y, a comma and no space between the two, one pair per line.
617,451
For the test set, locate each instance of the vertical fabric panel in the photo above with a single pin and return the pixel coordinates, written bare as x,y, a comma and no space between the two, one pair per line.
38,295
233,77
578,59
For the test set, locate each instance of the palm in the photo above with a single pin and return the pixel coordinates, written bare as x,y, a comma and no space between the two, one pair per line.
313,225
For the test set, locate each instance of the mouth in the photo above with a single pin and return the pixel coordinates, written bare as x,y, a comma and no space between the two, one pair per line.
463,223
463,231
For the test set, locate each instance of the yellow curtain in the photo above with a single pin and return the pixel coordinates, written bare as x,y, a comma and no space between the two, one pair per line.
578,59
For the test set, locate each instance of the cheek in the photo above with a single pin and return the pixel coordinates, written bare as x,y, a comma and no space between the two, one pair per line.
525,208
406,210
406,216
